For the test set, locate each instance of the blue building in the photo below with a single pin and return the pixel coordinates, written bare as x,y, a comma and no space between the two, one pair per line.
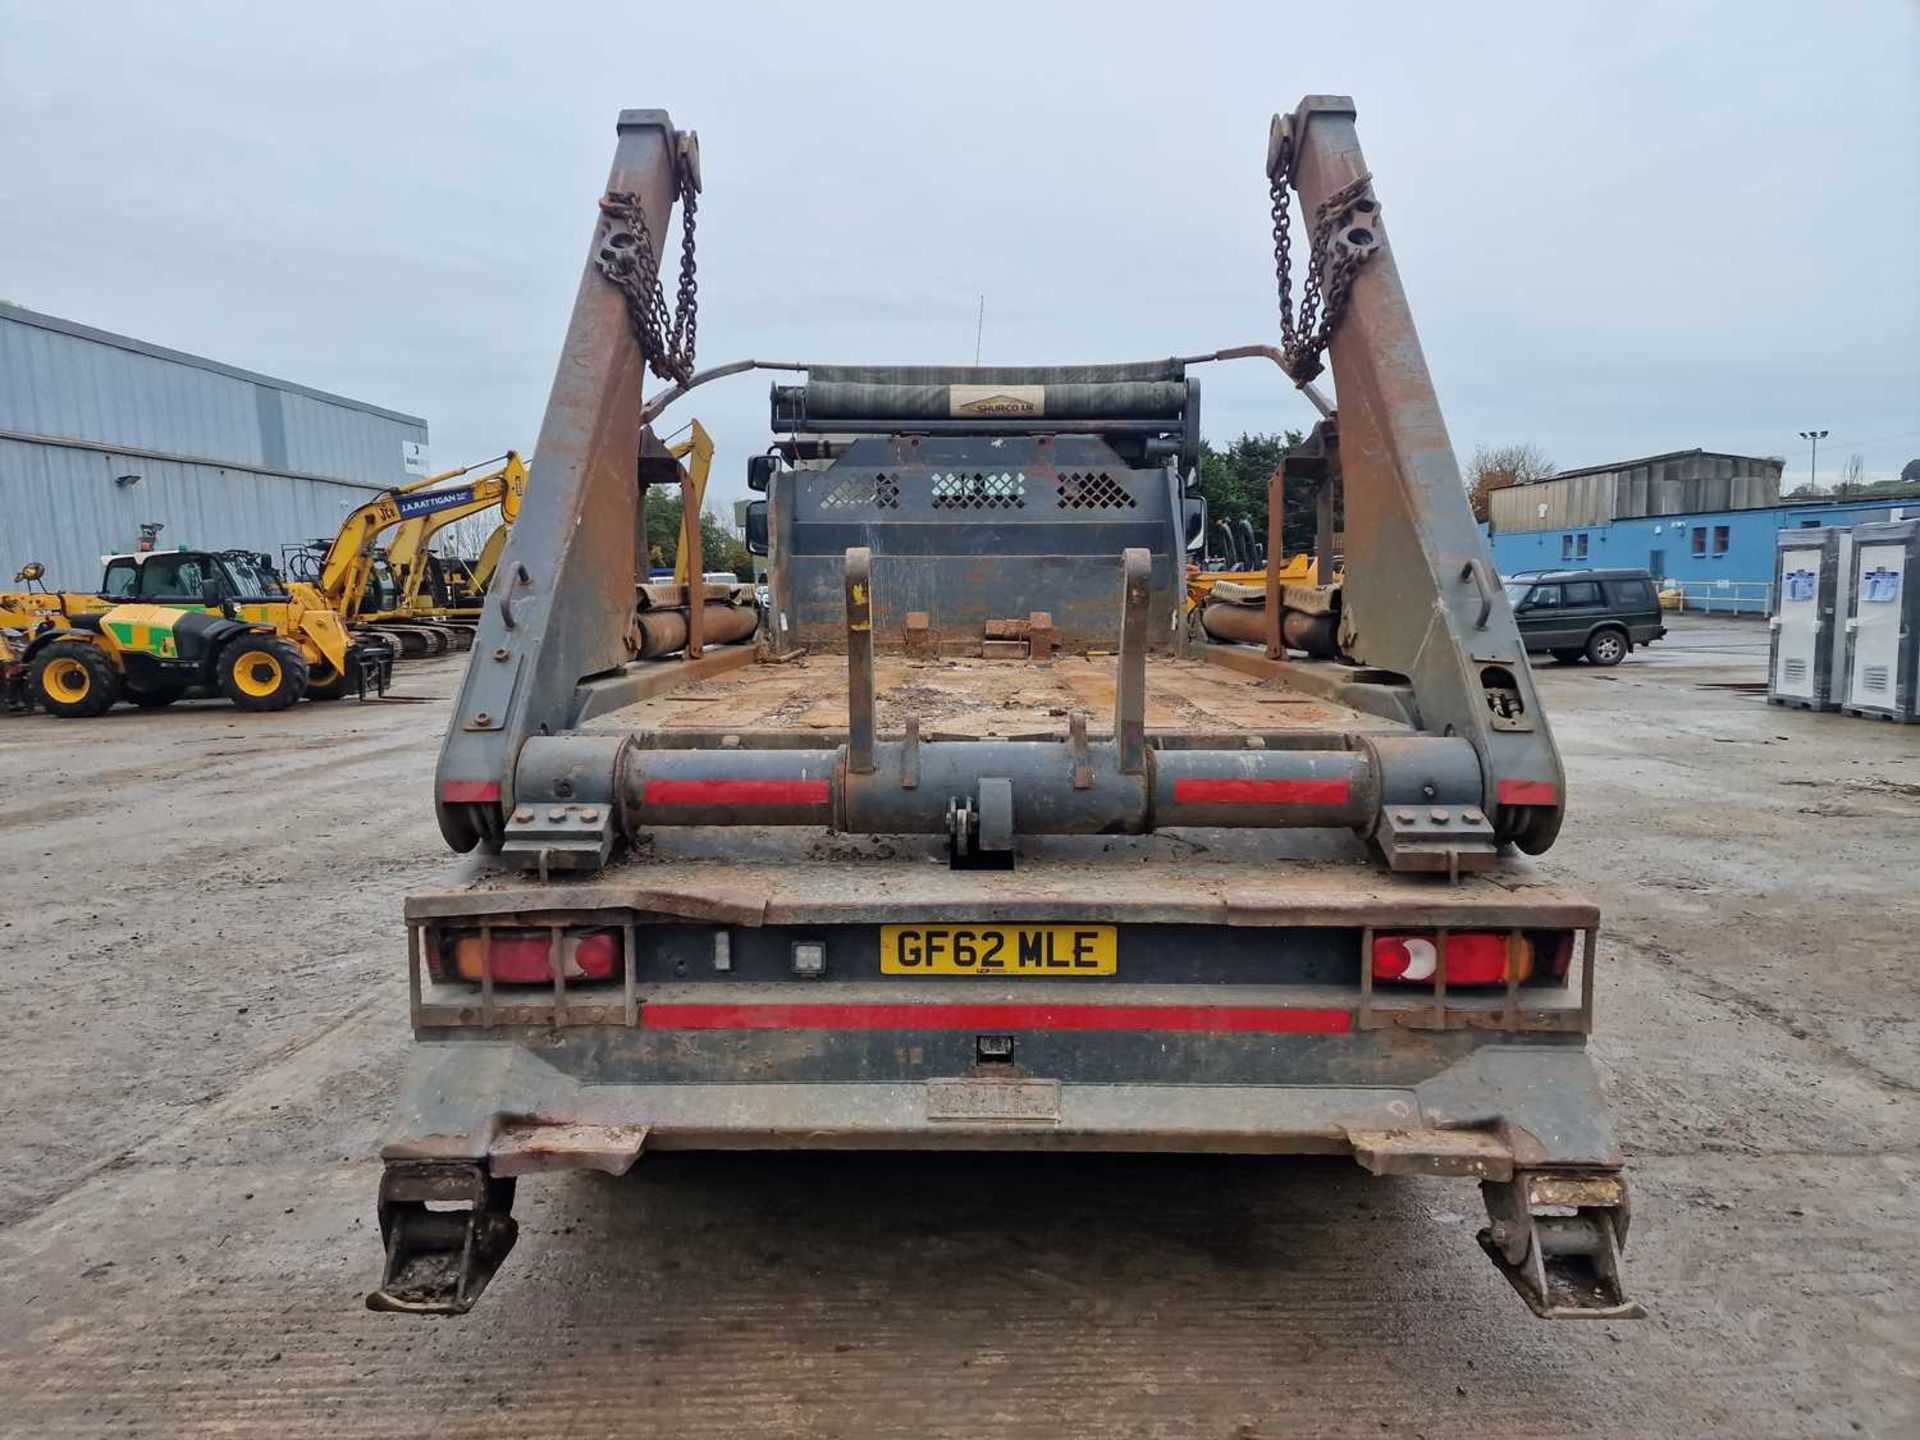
1700,521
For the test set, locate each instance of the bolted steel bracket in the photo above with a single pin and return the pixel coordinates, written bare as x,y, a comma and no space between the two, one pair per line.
993,833
1437,838
980,830
438,1261
565,817
1557,1238
560,837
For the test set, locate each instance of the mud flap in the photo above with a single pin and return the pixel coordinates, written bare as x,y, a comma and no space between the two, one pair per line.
1557,1238
439,1261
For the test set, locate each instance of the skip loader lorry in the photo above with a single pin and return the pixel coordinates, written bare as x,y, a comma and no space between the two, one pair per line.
979,846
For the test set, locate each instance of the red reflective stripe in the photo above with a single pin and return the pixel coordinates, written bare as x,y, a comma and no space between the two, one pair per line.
467,792
1528,792
1244,1019
1261,792
736,792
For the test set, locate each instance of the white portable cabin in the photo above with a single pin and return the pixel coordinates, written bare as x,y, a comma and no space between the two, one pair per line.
1883,627
1812,582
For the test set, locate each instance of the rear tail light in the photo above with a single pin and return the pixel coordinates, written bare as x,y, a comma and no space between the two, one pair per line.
521,957
1474,957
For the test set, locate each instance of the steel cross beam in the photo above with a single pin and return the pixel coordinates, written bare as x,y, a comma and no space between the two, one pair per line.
562,603
1421,597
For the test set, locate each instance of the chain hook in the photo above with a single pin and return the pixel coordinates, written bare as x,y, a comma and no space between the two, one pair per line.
625,255
1342,237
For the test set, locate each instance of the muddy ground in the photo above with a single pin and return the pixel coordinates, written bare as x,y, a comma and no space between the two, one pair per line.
202,1014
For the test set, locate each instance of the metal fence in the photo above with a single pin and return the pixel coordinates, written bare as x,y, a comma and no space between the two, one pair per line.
1724,597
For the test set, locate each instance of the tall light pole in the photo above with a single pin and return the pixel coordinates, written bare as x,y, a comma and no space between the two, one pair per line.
1813,438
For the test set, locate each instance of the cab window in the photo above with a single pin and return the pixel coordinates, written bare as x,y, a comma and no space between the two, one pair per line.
123,577
247,578
174,577
1544,597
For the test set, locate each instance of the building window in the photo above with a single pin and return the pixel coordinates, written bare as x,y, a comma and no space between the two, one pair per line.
1566,547
1580,547
1700,540
1722,538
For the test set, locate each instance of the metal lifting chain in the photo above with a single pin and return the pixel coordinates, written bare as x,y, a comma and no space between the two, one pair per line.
1343,236
625,255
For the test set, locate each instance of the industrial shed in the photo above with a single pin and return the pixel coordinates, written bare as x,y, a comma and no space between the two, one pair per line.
1680,482
104,438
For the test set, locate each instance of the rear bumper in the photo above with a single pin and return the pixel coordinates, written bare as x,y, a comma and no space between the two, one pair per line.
1524,1120
1498,1109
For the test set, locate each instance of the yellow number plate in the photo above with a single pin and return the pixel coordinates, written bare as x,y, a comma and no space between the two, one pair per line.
1057,951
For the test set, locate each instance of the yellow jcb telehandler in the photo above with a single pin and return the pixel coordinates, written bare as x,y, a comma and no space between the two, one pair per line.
172,623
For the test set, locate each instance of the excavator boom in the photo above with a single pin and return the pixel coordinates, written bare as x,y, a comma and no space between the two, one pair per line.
696,454
348,565
407,553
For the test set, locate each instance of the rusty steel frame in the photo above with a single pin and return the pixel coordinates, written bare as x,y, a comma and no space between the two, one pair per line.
1438,655
1418,599
1419,602
560,610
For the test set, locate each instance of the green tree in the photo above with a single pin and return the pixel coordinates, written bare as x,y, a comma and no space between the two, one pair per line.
722,549
1234,482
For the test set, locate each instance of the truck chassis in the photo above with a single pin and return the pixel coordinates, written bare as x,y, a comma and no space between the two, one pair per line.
721,903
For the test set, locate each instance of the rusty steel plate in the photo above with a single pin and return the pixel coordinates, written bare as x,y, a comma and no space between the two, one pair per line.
985,1101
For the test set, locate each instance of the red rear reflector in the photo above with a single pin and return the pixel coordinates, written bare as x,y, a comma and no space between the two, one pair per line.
934,1015
1528,792
1473,958
469,792
1260,792
520,956
736,792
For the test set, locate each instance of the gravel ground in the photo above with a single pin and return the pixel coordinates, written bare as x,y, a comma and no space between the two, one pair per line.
202,1014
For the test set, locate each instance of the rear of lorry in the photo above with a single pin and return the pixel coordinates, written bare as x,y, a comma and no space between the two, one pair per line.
1115,995
981,848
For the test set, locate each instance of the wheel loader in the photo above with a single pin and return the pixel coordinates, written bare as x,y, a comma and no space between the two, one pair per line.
172,623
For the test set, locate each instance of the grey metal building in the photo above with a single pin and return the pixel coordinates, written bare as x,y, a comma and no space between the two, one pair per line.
1680,482
103,437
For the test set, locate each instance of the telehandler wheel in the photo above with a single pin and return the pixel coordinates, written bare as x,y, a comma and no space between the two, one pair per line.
75,679
262,672
156,699
329,687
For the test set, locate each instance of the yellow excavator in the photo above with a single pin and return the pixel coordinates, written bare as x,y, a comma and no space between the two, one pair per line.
443,589
358,577
696,454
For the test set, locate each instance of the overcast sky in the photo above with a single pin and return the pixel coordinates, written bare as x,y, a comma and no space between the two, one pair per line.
1625,228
